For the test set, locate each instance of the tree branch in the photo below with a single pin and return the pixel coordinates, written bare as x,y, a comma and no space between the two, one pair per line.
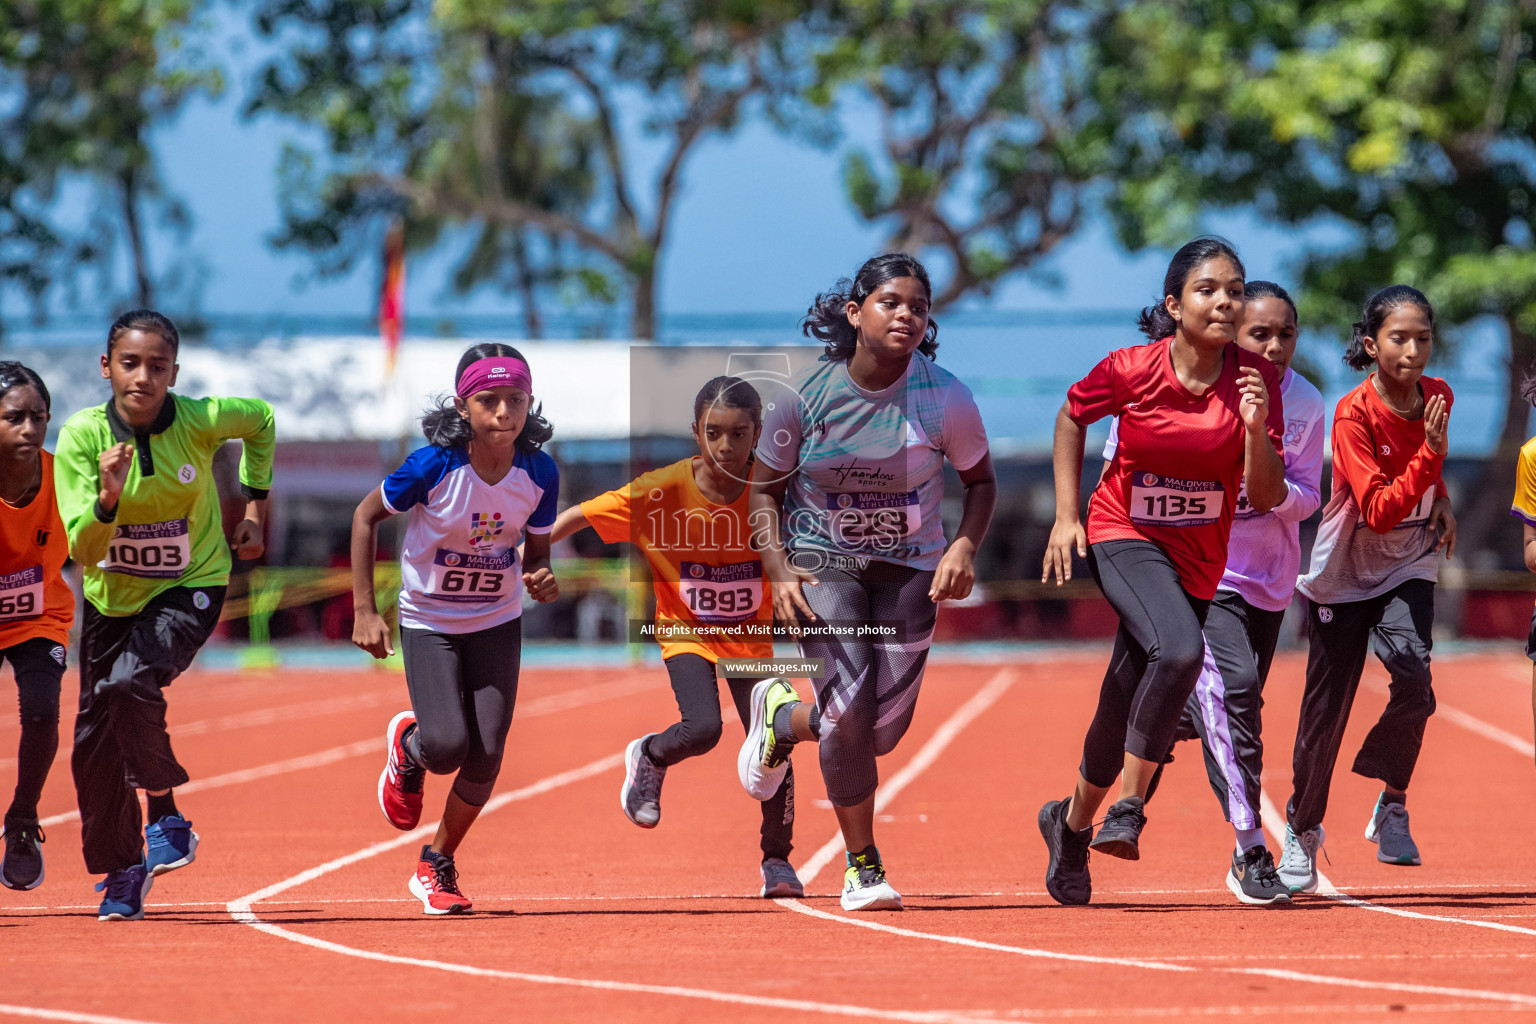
510,212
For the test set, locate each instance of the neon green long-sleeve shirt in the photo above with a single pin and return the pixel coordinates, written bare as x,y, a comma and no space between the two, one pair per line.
167,530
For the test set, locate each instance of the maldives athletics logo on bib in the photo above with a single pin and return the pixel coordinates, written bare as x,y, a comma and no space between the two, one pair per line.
484,528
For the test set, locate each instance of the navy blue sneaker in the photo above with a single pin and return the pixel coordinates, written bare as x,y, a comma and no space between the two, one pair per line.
171,844
125,890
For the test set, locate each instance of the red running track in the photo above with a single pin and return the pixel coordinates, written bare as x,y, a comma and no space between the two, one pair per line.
296,908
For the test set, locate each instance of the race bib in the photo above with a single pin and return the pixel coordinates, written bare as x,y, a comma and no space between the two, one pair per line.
1419,514
472,579
721,593
156,550
873,519
21,594
1244,507
1167,501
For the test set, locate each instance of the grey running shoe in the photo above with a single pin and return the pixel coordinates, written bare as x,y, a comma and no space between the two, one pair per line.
640,796
1253,880
1121,830
22,866
1389,831
1298,861
1066,876
779,879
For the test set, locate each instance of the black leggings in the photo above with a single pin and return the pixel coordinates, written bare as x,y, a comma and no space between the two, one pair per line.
1397,625
699,727
39,667
1159,650
463,687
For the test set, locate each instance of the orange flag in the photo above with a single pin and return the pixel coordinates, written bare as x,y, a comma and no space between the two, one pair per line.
392,296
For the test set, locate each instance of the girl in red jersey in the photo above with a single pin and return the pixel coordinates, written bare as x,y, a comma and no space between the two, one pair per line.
1200,419
36,608
1372,582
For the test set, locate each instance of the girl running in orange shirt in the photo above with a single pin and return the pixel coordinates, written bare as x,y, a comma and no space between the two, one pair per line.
690,519
36,607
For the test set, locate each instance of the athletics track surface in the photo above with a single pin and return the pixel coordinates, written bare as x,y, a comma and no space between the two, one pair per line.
296,908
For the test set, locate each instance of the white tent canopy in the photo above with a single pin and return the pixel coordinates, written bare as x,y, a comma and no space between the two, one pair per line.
329,389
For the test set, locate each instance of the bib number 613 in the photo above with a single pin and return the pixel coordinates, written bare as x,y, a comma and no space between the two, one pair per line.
471,581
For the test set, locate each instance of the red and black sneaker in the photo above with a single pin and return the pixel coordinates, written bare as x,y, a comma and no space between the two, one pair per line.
400,781
436,884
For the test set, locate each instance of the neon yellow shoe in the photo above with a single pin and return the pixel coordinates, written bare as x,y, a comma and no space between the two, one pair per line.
865,886
764,758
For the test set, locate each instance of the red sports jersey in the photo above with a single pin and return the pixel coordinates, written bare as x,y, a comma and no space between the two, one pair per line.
1178,469
1376,529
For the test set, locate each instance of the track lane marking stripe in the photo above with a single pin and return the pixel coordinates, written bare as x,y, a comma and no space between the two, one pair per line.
241,910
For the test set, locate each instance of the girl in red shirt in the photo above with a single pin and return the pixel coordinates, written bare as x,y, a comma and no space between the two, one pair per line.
1372,581
1200,418
36,608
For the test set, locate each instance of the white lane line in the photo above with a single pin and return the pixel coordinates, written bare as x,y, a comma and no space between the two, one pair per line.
1325,887
533,709
1472,723
942,738
38,1013
963,716
292,764
241,910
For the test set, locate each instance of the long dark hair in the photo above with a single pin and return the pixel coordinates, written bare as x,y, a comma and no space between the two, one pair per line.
732,393
827,319
445,428
148,321
13,375
1377,308
1269,290
1155,321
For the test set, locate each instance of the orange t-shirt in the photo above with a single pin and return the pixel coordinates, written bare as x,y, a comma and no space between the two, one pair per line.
35,599
711,597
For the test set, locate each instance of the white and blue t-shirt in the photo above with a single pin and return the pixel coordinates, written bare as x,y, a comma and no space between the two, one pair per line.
459,570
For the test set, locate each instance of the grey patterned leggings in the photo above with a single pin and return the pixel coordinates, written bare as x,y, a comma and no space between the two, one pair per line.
870,688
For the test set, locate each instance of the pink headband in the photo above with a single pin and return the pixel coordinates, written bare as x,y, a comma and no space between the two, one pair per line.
495,372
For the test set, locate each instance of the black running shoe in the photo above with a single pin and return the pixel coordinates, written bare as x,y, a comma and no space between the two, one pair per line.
1066,877
1121,830
1254,881
22,866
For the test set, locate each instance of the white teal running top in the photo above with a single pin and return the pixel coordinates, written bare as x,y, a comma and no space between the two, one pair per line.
459,570
868,465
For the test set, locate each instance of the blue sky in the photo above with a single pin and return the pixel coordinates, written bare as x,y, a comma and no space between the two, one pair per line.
761,225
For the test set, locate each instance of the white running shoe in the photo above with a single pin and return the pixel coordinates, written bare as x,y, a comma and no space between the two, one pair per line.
764,760
1298,862
865,886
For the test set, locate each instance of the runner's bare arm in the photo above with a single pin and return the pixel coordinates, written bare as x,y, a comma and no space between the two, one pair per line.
784,580
538,577
956,574
369,630
1068,534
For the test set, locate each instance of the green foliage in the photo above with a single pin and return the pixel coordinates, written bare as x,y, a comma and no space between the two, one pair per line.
1407,121
503,118
982,104
85,82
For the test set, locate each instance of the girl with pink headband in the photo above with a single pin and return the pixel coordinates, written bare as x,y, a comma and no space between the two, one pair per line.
482,483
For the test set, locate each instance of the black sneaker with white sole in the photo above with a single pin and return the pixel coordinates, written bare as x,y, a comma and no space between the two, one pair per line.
1066,876
1121,831
1253,879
